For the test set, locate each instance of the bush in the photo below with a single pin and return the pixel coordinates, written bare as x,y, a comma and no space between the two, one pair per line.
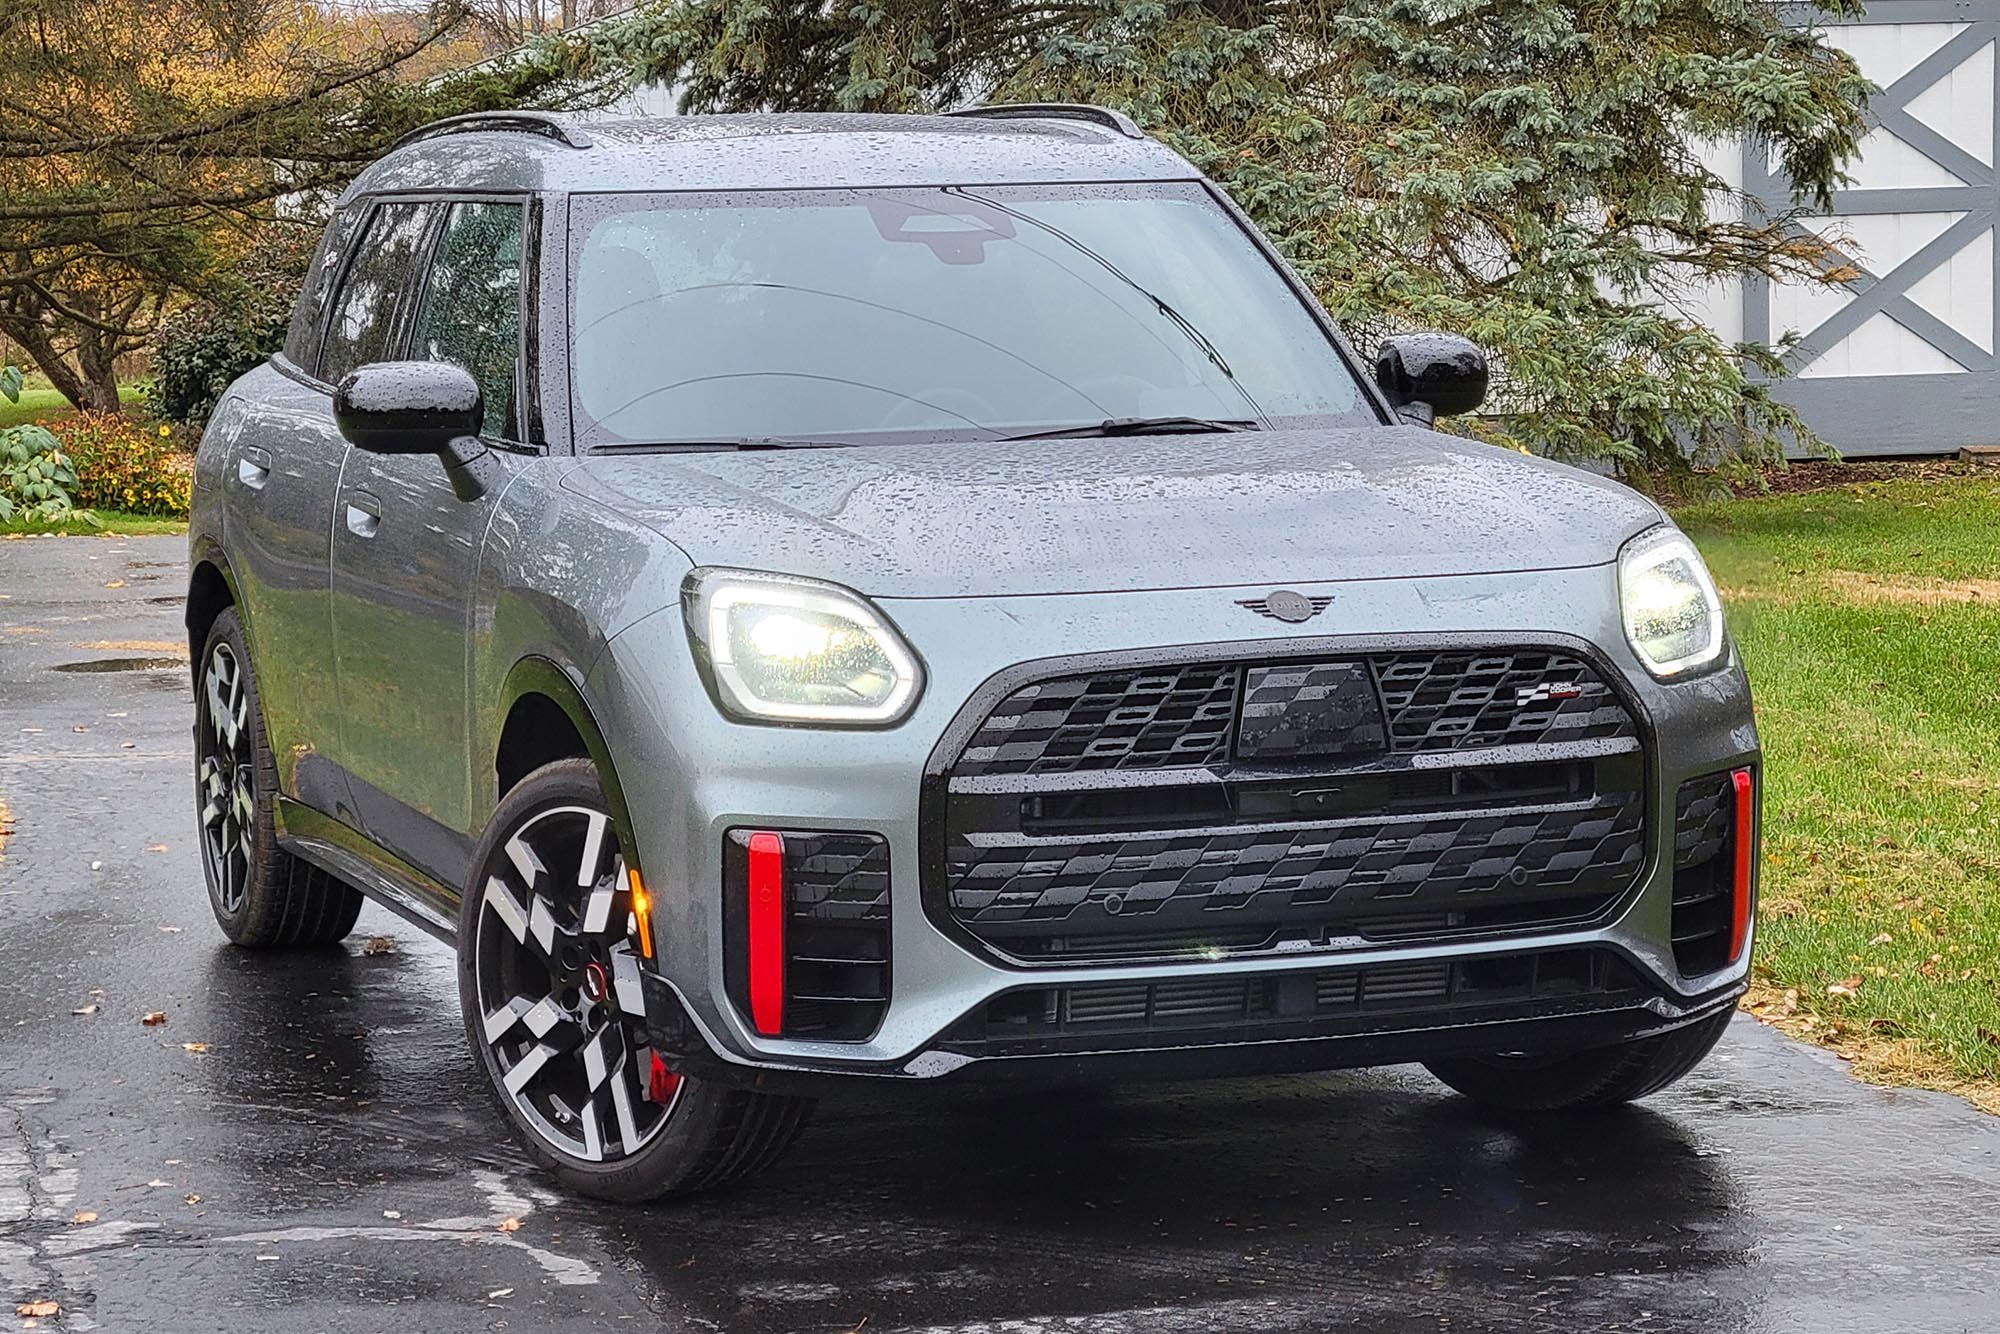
123,463
35,478
202,347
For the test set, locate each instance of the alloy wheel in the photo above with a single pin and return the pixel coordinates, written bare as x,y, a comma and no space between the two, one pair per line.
556,969
226,779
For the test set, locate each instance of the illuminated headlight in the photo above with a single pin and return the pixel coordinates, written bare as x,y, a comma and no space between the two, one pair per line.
797,650
1673,617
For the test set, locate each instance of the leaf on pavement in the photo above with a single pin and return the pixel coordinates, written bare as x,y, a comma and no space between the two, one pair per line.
153,1018
379,945
198,1048
511,1225
157,847
31,1309
498,1293
84,1216
192,1198
85,1009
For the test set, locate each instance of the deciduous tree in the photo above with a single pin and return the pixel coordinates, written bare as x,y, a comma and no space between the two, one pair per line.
141,140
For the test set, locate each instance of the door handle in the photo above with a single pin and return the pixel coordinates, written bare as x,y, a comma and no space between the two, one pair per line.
364,514
253,468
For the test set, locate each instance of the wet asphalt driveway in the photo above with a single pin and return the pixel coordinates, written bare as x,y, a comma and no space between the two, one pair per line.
327,1162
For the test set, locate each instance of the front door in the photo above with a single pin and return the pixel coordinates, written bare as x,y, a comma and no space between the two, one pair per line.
407,534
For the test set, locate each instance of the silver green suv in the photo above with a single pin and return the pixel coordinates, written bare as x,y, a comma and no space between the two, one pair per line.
814,598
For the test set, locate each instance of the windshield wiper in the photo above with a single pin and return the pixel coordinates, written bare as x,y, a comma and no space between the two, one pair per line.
1140,426
746,442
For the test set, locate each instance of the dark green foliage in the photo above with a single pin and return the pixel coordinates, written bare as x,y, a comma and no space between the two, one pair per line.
1525,172
238,320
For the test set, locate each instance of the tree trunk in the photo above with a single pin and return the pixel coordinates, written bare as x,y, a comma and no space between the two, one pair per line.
34,340
98,359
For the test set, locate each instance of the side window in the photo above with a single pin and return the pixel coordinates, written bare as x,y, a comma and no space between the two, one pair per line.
471,311
308,316
364,314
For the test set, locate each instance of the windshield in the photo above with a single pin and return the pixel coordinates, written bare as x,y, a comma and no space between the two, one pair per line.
936,313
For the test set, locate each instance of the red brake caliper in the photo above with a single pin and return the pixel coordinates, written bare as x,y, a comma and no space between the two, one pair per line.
663,1082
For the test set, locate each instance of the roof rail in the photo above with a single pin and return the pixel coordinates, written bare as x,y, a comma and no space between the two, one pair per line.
1105,116
544,123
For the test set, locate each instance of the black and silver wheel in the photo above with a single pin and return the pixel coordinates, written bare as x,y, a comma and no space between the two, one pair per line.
1597,1077
261,894
549,977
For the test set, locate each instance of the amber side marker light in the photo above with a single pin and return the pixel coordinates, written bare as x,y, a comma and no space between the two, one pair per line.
642,911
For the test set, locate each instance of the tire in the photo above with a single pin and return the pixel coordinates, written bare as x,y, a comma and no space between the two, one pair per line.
564,1049
262,896
1599,1077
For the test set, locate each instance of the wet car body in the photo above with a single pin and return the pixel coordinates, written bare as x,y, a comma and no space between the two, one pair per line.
1257,749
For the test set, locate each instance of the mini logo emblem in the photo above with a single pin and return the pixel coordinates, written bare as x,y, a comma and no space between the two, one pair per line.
1285,605
1547,691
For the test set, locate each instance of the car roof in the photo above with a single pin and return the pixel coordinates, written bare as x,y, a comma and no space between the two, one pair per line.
510,152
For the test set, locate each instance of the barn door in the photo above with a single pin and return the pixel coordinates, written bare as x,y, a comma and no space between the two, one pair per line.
1902,360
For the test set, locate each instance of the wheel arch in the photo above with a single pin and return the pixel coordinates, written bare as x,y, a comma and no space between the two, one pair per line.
211,590
545,718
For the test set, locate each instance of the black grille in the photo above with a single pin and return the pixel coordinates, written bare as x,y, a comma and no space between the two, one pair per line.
1185,715
1385,796
1307,1003
1704,873
836,932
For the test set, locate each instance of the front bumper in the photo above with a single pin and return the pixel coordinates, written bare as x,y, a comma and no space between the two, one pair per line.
688,776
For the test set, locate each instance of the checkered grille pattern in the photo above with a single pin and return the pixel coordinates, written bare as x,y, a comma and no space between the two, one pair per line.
1452,701
1295,817
836,878
1704,814
1297,878
1186,715
1150,719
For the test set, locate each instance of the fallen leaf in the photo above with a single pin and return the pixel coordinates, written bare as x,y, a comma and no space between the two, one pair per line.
157,847
499,1292
192,1198
392,1213
1988,1036
1881,938
30,1309
84,1216
114,583
511,1225
379,945
198,1048
153,1018
86,1009
1848,986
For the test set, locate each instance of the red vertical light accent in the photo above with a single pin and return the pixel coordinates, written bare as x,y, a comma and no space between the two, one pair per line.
1746,859
767,933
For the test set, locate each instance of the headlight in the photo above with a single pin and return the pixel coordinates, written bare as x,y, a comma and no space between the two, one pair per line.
1673,617
796,650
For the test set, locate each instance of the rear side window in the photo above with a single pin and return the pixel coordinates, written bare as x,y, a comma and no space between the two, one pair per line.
364,314
471,311
309,315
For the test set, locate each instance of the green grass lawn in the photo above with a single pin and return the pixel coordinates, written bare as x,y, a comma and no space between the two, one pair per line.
39,403
1870,619
114,522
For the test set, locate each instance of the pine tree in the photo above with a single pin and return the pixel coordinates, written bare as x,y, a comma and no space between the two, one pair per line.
1535,174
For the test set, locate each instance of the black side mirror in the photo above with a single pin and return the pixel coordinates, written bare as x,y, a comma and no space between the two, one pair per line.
408,407
1431,375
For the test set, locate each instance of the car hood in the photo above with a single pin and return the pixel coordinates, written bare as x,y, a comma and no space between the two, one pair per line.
986,519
